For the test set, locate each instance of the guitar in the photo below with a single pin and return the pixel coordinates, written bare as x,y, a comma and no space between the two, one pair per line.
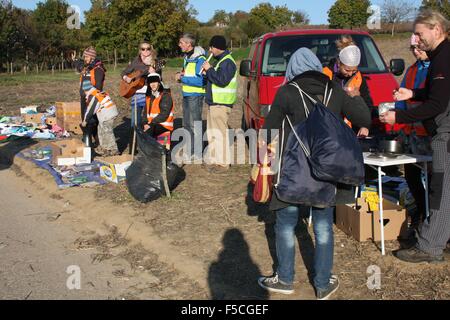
127,90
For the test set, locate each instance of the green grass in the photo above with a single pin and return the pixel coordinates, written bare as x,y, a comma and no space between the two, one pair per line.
241,53
69,75
47,76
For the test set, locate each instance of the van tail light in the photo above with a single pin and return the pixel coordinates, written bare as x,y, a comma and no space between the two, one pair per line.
264,110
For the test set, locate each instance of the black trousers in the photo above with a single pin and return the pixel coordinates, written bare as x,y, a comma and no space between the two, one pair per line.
413,176
91,129
155,130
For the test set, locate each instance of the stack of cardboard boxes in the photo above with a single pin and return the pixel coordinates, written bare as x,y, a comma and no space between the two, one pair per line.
70,152
68,116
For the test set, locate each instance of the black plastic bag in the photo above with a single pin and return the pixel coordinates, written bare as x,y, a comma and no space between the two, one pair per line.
144,176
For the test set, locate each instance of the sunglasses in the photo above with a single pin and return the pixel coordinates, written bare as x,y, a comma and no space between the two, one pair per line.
412,48
146,49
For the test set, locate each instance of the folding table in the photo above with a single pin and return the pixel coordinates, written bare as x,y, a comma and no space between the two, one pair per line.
379,163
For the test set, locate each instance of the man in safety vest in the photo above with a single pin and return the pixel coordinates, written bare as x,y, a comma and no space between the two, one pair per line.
158,113
344,70
193,87
221,94
418,140
92,76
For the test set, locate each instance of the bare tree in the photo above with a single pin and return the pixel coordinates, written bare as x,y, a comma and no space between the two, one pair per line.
394,12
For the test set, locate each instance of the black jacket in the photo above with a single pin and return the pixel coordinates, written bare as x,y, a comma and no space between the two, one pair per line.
435,95
288,102
138,64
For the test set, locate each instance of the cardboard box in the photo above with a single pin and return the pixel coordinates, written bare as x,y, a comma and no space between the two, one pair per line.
113,168
364,225
50,121
33,118
73,127
68,114
70,152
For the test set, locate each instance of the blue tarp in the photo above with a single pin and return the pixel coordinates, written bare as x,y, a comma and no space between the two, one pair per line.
76,175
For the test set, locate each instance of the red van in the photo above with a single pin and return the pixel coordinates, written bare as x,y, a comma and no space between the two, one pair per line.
269,55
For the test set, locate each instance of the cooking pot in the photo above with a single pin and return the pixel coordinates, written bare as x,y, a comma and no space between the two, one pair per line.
391,146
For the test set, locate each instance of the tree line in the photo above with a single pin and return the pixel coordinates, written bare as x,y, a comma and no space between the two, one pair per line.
41,39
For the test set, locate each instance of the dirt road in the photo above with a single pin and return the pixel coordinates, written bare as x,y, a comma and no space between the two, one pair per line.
37,250
43,249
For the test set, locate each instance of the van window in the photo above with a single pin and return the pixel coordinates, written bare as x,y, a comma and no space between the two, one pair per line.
278,51
257,57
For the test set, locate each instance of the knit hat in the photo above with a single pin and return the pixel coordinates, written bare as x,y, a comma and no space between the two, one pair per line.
153,77
301,61
350,56
90,52
414,42
218,42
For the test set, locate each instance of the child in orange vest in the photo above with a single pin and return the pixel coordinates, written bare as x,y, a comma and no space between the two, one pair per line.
158,114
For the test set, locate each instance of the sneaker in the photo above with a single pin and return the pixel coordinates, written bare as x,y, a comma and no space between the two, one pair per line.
332,288
100,151
273,284
416,255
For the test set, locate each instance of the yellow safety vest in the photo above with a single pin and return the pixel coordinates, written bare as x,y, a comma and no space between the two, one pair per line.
189,71
228,94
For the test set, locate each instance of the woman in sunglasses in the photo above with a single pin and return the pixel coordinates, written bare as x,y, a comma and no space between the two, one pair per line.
142,63
419,141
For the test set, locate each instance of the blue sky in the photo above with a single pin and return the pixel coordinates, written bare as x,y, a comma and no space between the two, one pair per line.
317,10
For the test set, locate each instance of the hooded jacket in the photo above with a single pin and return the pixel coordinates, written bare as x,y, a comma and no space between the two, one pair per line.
197,56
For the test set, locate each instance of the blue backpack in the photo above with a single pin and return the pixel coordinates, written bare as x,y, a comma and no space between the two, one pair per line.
320,152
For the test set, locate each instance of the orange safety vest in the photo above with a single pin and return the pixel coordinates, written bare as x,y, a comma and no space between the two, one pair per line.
92,75
355,82
410,79
153,111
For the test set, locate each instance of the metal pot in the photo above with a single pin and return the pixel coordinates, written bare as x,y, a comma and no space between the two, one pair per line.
391,146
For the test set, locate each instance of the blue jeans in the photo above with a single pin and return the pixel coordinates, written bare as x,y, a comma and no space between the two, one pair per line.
192,112
140,100
286,222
